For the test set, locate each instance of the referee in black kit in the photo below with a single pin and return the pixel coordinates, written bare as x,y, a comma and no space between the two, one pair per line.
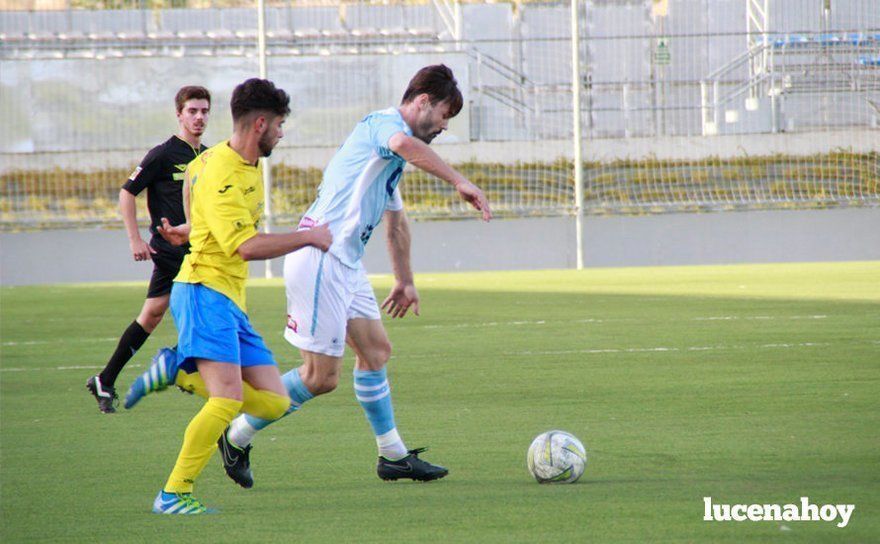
161,173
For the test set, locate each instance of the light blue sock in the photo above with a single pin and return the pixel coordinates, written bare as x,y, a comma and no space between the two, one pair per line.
244,427
374,394
298,392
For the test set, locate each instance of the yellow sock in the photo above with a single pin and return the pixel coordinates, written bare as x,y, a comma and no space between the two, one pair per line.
200,441
263,403
192,383
260,403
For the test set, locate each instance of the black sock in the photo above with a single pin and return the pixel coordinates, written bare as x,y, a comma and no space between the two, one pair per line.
131,341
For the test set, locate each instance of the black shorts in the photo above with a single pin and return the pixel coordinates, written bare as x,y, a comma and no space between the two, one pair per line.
165,268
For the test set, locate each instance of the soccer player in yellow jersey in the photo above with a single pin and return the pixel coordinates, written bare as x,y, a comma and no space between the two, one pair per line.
219,355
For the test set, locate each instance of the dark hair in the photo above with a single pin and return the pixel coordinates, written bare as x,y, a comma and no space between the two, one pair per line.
191,92
258,95
437,82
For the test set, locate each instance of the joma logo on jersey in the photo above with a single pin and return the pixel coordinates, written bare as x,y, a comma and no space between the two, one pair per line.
250,190
223,190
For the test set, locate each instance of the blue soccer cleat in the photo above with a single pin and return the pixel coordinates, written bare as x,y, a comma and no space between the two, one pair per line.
179,503
161,374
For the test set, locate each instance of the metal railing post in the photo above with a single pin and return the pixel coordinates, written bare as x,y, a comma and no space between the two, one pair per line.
576,113
267,166
704,104
716,106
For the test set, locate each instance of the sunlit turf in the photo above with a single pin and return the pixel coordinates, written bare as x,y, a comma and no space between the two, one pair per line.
749,384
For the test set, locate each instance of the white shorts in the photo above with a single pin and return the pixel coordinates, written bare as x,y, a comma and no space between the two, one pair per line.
322,295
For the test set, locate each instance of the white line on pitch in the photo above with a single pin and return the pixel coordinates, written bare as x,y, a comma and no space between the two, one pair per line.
616,320
658,349
467,325
757,317
670,349
59,341
80,367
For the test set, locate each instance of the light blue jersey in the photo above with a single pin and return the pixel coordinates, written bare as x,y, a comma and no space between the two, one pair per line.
359,184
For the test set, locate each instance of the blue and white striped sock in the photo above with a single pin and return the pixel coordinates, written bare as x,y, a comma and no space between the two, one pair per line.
374,394
243,428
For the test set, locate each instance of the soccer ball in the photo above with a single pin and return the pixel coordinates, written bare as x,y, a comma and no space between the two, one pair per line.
556,457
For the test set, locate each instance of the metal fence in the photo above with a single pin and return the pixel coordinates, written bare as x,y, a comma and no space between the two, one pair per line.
683,105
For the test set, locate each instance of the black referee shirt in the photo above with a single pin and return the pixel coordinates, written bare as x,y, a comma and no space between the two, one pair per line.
161,171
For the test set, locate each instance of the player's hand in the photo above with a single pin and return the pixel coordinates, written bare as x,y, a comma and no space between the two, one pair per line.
400,299
473,195
140,250
320,237
174,235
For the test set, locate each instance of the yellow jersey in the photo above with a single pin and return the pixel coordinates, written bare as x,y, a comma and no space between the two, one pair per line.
226,202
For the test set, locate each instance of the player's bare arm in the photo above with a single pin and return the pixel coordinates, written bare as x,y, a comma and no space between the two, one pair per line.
268,246
404,294
140,249
420,155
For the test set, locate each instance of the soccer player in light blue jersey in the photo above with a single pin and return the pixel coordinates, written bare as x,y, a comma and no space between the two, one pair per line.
330,301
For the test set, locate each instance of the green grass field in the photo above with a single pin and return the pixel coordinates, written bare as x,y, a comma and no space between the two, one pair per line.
749,384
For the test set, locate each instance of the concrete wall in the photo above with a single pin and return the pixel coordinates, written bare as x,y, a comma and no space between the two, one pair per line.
675,239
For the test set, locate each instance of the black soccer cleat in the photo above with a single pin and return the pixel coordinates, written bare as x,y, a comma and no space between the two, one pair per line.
236,461
104,394
410,467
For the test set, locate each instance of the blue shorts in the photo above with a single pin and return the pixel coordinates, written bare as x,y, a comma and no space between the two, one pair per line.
210,326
